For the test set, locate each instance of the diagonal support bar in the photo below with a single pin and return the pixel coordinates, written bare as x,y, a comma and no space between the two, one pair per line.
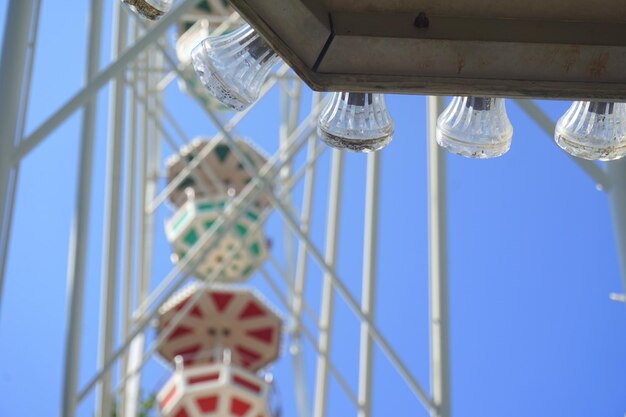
101,79
12,73
547,125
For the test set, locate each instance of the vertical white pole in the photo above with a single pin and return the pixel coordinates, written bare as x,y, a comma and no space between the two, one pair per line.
80,229
328,294
299,366
131,217
285,172
368,292
290,110
290,106
135,354
438,264
12,71
110,255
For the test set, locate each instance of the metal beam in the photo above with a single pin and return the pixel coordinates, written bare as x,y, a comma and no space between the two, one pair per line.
147,191
368,291
110,255
290,110
328,291
299,366
6,228
290,102
12,70
438,267
131,216
78,250
102,78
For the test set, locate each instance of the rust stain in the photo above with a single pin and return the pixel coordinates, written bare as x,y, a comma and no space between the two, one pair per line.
598,65
571,57
567,65
461,64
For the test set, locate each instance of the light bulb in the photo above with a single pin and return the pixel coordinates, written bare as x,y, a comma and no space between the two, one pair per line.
475,127
233,67
356,122
149,9
594,130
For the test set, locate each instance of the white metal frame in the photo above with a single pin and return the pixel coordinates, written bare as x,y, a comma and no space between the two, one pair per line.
137,51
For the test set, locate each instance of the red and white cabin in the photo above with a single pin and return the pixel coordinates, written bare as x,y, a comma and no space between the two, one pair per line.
214,390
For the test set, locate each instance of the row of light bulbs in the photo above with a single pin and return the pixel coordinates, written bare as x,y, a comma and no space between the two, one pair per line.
233,67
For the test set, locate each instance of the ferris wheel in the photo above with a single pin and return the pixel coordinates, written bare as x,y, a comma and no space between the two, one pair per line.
213,335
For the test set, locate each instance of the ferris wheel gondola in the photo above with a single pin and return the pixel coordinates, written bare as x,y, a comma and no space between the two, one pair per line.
215,389
218,169
228,318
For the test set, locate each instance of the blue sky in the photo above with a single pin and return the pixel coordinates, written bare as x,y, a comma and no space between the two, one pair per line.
532,260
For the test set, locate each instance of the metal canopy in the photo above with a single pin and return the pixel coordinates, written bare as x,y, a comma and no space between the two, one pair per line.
537,48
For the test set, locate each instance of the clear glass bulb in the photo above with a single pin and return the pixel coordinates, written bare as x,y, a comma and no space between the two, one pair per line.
356,122
475,127
149,9
233,67
594,130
